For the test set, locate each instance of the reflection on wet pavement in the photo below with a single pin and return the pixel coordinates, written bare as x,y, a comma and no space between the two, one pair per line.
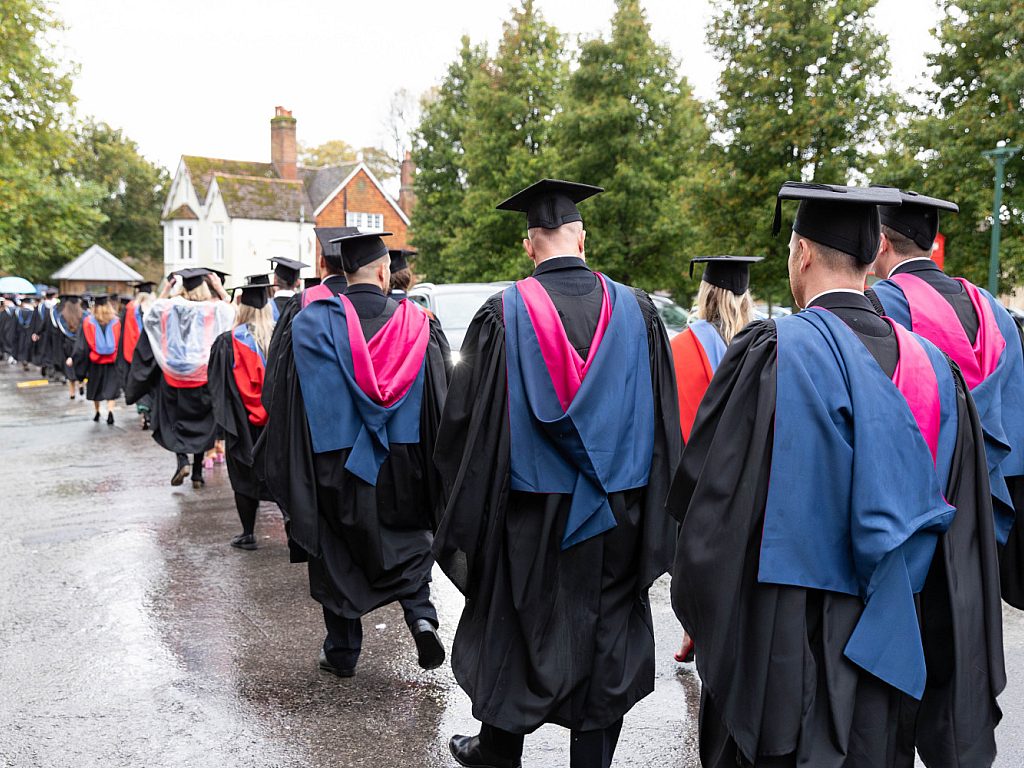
132,635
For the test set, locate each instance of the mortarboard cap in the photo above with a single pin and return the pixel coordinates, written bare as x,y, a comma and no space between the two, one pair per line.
146,286
360,249
287,269
326,235
729,272
550,203
311,282
192,277
844,218
255,291
917,218
400,258
101,300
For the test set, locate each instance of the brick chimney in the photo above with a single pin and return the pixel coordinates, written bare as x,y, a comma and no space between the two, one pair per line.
406,193
282,144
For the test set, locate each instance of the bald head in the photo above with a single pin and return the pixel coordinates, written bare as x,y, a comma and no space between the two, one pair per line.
567,240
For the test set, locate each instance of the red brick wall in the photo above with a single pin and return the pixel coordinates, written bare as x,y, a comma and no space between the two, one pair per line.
361,195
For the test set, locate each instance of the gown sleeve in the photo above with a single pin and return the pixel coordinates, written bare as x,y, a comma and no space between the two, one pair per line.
143,374
472,451
280,338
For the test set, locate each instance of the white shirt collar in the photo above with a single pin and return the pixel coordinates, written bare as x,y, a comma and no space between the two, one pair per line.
907,261
832,290
283,292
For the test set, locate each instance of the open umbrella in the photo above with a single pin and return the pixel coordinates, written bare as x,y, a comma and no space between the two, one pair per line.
12,284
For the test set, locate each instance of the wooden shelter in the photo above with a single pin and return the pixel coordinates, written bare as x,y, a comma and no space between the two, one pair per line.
96,271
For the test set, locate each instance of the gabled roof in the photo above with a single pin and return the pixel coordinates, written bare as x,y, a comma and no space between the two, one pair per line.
355,169
321,182
97,265
203,169
248,197
183,211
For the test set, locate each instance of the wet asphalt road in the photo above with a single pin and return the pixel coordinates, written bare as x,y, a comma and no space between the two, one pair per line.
132,635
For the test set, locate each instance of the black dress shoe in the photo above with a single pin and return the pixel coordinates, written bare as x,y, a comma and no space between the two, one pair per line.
469,752
198,482
428,644
110,417
180,475
326,666
244,541
96,417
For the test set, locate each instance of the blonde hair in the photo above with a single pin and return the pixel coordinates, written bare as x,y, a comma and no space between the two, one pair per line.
728,312
260,322
104,313
144,301
201,292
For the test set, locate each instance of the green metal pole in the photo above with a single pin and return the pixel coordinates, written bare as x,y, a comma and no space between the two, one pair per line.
1000,155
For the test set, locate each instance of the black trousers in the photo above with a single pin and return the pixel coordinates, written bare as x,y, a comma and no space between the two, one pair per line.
345,636
587,749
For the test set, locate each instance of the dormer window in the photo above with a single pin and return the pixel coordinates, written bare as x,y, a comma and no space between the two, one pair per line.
366,222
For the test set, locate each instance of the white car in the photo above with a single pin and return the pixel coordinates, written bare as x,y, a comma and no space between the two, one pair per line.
454,305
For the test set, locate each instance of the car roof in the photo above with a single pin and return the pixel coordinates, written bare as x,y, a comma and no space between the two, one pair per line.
459,287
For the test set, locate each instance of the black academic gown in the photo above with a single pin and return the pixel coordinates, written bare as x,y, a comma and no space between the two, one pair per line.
27,323
240,434
40,345
777,689
7,324
549,636
104,380
60,346
366,545
182,417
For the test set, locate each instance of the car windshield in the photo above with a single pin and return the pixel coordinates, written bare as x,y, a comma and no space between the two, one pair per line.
456,310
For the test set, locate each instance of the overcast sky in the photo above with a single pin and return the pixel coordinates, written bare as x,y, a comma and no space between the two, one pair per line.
203,76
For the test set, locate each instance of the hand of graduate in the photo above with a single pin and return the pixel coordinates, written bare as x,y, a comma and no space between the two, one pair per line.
217,286
169,286
35,337
69,362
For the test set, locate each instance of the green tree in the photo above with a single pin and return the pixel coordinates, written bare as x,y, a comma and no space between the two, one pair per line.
976,102
802,97
631,125
47,215
133,195
438,152
340,152
512,100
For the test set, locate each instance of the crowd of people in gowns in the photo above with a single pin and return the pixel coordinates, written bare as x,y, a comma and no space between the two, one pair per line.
833,492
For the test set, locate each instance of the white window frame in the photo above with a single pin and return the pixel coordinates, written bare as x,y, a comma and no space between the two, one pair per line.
366,222
218,243
184,246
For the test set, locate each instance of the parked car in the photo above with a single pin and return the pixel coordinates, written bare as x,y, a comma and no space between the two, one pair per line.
454,305
672,315
761,311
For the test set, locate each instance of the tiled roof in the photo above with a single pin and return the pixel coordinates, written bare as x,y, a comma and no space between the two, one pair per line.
248,197
203,169
183,211
97,265
321,182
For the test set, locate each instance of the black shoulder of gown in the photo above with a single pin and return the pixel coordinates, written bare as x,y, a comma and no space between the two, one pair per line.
143,374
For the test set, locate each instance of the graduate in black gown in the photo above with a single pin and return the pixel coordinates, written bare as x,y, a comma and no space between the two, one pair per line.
131,331
238,364
836,561
27,325
171,361
557,445
94,356
975,330
66,320
359,384
7,325
41,333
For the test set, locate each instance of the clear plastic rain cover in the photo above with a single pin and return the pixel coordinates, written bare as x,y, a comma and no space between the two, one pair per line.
182,332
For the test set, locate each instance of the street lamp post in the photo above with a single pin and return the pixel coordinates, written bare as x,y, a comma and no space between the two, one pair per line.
999,155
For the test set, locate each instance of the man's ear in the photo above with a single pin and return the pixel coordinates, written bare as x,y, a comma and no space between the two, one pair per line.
581,241
807,255
528,247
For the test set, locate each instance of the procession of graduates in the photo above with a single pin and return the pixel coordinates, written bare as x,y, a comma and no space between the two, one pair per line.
833,492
